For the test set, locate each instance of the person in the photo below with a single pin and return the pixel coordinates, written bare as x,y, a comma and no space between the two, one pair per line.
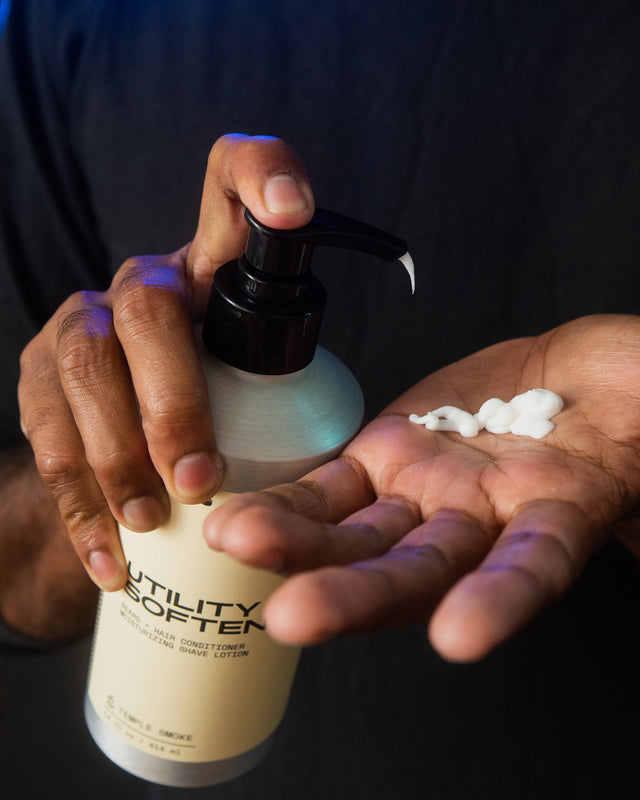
508,162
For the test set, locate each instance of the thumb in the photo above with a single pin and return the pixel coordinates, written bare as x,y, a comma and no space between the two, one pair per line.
261,173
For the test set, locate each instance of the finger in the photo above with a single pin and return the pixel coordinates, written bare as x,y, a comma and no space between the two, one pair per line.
287,527
96,383
265,533
534,561
59,454
259,172
402,586
154,328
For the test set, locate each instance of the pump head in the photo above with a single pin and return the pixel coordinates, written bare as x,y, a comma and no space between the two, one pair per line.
266,307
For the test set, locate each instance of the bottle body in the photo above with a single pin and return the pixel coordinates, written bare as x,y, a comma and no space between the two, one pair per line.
186,687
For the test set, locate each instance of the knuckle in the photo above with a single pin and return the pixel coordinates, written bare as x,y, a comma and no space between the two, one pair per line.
29,357
148,272
83,521
148,292
80,317
34,380
241,146
120,471
173,415
77,308
78,517
84,350
85,514
33,420
36,366
91,527
222,146
83,314
61,473
134,272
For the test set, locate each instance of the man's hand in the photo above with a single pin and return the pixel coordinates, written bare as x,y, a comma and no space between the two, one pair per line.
112,396
476,534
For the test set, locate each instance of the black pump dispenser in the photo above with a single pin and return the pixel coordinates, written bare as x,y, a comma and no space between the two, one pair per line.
266,307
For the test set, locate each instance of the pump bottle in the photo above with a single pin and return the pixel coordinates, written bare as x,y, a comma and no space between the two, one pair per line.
186,688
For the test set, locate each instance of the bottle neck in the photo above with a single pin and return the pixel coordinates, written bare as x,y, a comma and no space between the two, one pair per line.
262,328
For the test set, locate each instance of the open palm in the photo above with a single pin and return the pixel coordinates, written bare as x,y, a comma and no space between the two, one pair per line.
476,534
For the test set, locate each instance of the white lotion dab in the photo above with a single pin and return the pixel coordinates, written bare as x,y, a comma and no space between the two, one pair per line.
407,263
527,414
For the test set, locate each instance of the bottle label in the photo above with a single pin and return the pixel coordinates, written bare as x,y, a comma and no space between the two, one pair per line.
182,666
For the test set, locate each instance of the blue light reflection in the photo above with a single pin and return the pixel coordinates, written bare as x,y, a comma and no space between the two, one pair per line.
5,7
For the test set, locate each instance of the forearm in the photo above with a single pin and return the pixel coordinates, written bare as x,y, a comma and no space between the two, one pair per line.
44,590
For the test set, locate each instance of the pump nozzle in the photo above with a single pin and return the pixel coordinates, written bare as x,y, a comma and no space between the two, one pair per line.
265,308
288,252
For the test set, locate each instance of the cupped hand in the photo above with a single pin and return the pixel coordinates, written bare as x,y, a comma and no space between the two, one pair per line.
476,535
112,396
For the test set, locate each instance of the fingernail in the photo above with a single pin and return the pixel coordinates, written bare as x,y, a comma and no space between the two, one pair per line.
107,570
283,195
195,475
143,513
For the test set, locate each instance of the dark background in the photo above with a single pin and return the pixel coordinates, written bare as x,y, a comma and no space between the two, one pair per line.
501,139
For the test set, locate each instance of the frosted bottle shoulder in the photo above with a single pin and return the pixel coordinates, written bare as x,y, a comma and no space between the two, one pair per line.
274,429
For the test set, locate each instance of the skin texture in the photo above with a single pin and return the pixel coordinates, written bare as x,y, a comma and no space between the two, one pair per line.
408,524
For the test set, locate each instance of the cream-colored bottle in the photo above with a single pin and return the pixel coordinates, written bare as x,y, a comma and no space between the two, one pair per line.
186,687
